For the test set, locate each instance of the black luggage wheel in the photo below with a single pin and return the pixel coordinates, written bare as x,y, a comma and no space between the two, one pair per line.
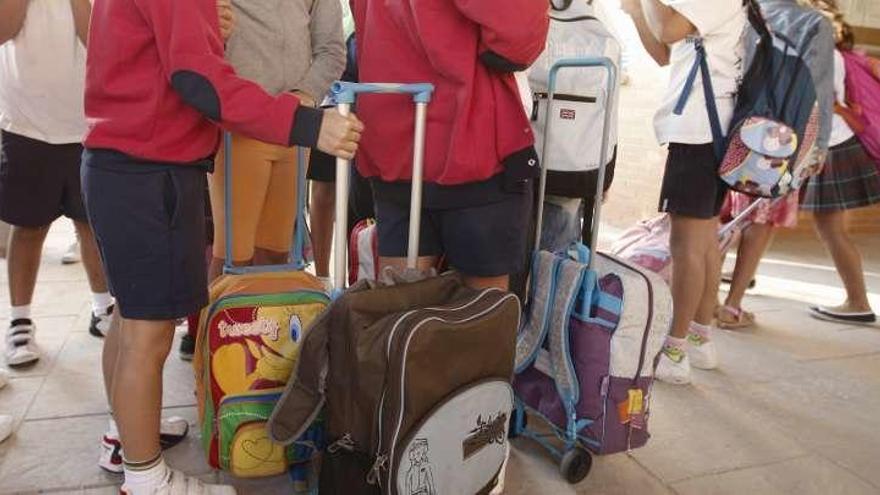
575,465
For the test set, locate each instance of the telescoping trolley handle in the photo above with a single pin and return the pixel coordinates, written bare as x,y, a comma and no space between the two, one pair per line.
344,95
297,258
578,63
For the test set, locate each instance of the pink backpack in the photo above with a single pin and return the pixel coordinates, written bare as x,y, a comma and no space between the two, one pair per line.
863,100
646,244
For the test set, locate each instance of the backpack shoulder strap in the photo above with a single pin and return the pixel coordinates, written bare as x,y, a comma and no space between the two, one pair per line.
571,278
701,67
543,292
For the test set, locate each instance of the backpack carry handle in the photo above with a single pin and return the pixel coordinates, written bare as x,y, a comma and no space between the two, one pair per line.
296,250
578,63
345,94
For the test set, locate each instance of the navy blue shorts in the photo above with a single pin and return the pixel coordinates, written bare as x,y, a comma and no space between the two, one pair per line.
39,181
149,221
480,241
691,186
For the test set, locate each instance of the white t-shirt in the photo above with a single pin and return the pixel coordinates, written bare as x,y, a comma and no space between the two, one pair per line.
42,76
840,130
721,24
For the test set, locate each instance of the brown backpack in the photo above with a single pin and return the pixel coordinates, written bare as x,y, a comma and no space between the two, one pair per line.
414,381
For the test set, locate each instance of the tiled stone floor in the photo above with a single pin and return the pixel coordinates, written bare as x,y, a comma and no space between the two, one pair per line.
793,408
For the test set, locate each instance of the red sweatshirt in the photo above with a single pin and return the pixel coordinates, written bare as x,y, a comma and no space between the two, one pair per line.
476,118
157,86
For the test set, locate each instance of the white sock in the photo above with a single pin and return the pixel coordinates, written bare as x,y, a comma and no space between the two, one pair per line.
145,477
101,302
680,344
112,429
703,331
20,312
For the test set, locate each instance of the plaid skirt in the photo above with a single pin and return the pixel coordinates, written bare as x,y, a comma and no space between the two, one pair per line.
851,179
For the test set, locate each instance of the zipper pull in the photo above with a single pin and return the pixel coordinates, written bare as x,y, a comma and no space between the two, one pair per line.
376,471
345,443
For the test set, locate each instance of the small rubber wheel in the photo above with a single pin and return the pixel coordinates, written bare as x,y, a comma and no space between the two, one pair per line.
575,465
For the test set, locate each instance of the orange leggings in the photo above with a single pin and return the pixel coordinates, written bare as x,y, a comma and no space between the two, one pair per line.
263,198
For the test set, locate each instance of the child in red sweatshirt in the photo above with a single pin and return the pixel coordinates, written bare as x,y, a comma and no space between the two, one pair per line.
157,92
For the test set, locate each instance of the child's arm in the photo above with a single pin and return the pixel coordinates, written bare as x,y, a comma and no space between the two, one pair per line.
658,50
187,35
513,32
666,23
12,13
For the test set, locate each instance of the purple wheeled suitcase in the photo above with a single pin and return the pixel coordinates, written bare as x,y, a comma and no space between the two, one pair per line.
593,328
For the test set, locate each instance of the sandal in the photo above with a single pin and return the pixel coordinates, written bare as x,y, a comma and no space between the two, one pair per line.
730,318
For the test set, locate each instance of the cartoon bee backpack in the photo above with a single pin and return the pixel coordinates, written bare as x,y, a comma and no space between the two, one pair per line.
248,345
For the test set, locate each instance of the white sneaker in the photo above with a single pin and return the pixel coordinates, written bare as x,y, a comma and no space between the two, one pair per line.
703,353
172,431
100,324
178,483
6,424
673,367
21,349
4,378
72,255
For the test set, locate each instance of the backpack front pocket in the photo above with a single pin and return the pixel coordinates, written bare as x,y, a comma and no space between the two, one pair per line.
457,448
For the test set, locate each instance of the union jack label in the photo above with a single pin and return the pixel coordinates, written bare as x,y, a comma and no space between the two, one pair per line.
567,114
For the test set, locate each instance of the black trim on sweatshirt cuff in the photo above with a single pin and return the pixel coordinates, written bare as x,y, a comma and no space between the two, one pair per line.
495,61
306,126
197,91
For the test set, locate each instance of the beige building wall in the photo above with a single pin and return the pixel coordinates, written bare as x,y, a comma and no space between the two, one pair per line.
864,13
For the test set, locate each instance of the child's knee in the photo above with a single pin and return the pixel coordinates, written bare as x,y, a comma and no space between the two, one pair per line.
147,348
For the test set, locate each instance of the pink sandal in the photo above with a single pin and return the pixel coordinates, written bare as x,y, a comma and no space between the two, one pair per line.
730,318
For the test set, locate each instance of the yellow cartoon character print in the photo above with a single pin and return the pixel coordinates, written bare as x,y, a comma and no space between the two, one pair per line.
253,454
263,351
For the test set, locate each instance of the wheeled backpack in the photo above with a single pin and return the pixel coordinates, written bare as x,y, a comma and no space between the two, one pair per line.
592,329
248,344
412,375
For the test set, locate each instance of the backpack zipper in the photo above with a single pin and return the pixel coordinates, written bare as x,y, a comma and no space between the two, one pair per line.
345,443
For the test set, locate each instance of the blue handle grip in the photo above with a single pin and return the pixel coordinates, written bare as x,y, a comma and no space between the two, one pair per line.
581,62
346,92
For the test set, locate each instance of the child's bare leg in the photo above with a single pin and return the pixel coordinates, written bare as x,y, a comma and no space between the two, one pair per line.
321,214
831,226
137,385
